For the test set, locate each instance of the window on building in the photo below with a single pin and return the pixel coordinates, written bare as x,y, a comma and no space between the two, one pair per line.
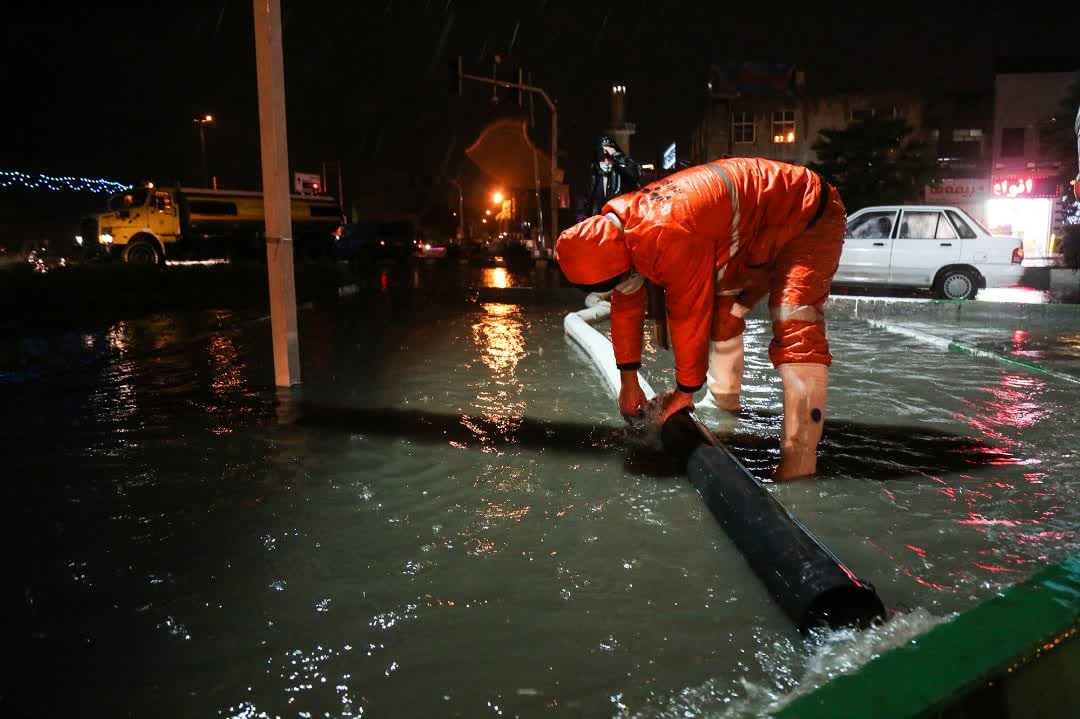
1012,142
973,134
783,126
742,127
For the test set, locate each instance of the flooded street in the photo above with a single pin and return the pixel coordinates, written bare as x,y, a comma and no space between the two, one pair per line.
449,518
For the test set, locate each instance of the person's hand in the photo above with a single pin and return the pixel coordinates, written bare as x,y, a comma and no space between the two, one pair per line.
609,150
674,401
632,400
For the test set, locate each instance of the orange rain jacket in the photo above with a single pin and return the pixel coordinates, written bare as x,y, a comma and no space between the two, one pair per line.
710,235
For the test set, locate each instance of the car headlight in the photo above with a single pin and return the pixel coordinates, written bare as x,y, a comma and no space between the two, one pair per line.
105,239
78,240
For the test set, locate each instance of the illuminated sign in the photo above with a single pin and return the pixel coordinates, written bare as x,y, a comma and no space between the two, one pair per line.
669,157
1025,186
306,183
956,190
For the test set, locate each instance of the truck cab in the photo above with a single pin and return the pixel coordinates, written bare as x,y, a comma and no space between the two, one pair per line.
139,224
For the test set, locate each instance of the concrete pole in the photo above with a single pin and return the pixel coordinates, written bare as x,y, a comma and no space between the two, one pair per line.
202,152
275,172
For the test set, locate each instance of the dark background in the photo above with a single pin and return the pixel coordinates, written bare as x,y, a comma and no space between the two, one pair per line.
110,89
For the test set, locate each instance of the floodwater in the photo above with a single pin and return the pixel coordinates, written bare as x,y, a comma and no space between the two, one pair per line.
1051,343
449,518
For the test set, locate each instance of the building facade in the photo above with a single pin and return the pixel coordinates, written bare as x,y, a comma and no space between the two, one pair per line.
990,158
782,121
1025,197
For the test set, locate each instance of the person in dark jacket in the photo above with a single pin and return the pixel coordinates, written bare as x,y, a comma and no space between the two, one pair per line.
613,174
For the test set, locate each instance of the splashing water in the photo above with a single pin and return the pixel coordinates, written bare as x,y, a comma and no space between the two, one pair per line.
833,654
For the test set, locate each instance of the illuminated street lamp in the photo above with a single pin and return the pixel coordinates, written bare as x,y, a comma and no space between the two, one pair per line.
487,212
497,197
202,122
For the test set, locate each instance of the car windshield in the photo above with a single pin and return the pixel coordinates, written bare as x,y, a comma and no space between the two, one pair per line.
127,200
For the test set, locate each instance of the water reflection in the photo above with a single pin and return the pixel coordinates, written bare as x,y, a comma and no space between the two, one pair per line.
119,336
225,364
498,336
497,277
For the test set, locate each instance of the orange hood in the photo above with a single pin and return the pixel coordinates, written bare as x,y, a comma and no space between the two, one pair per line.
592,251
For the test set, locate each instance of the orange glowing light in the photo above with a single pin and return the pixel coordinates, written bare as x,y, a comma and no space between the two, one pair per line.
497,197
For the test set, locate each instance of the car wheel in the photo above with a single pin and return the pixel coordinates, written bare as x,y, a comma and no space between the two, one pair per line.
956,284
142,252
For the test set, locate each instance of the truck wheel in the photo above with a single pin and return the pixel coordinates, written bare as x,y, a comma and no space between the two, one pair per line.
956,284
142,252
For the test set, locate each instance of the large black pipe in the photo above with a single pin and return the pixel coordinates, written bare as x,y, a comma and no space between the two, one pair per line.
802,575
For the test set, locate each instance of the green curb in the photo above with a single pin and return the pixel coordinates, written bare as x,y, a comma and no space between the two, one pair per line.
966,349
972,351
1000,646
902,308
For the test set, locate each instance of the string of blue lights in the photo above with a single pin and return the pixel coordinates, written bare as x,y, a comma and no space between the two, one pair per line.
36,181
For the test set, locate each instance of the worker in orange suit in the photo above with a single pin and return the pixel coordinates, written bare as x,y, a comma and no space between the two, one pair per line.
718,237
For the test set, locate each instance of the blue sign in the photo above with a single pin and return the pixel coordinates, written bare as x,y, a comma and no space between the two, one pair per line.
669,157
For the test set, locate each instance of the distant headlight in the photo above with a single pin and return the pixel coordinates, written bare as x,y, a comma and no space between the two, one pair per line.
105,239
78,240
427,246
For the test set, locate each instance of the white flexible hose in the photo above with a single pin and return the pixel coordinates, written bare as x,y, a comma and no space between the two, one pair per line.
598,347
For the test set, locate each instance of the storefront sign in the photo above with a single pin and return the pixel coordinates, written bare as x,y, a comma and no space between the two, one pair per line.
1025,186
954,191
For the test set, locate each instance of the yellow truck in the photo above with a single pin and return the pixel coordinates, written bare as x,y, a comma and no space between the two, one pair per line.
147,225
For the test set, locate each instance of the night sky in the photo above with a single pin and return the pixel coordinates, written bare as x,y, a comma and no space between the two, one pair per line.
104,89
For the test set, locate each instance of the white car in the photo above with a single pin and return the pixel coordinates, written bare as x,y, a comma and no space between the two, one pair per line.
942,248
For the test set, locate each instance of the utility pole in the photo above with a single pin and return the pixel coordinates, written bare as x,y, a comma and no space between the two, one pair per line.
275,173
202,122
546,243
336,164
456,182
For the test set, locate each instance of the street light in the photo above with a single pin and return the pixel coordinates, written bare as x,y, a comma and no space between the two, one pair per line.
202,122
497,197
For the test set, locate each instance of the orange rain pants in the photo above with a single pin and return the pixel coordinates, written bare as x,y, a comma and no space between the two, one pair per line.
712,236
